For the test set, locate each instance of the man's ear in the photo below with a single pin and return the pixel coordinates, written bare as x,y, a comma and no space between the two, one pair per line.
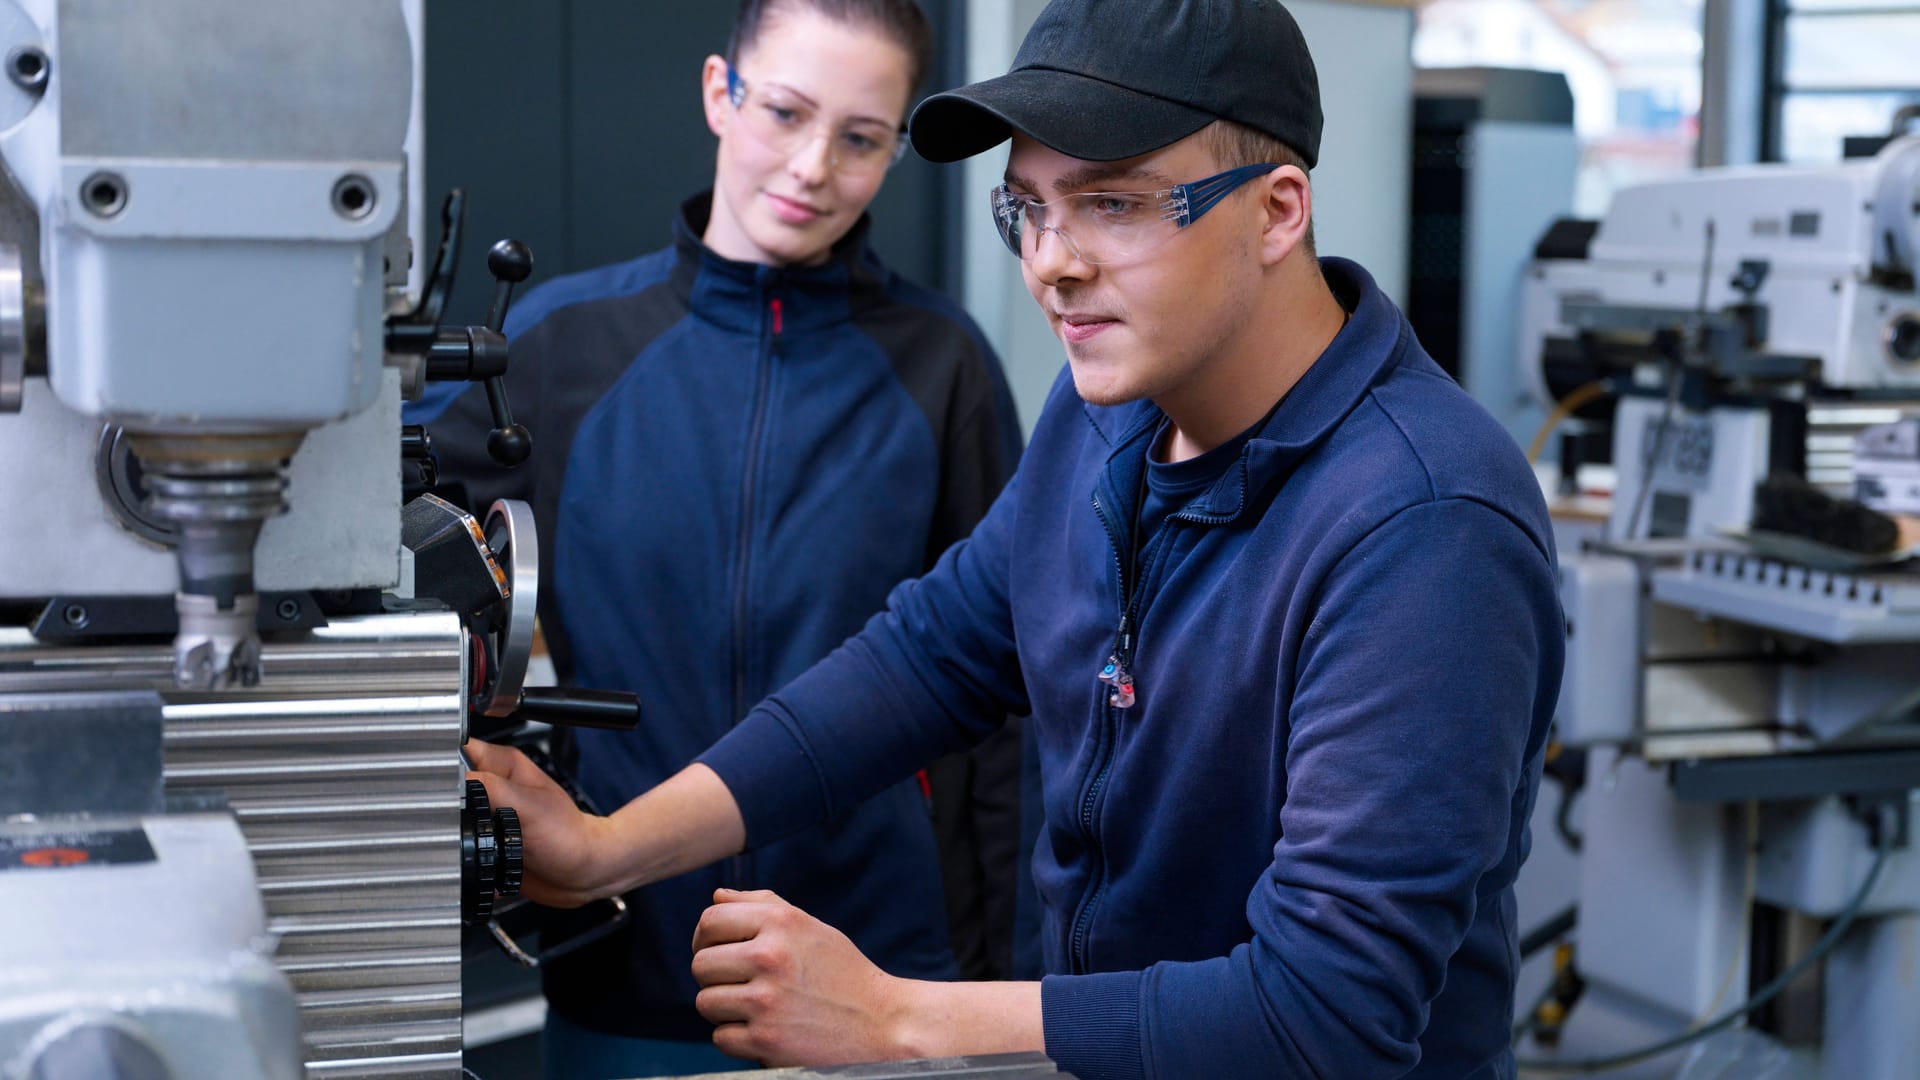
713,94
1287,199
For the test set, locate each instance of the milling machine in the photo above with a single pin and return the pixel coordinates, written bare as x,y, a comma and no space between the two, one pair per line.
236,837
238,655
1748,900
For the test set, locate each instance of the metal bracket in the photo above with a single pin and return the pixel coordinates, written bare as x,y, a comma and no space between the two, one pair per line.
1867,776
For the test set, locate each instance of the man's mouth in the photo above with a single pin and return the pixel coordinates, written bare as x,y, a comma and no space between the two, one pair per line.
1081,326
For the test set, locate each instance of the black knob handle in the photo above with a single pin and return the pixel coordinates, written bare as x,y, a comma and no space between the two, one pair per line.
506,833
510,261
511,443
611,710
479,855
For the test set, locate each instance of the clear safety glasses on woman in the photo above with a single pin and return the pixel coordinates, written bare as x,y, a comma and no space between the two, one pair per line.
787,122
1105,227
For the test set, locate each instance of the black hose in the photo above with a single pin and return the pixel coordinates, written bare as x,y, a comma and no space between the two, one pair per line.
1563,822
1767,993
1550,931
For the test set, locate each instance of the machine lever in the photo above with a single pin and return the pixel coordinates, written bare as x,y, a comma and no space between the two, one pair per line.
609,710
416,331
469,353
510,262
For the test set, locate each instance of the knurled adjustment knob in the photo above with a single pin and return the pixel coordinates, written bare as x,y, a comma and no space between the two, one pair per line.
506,832
479,855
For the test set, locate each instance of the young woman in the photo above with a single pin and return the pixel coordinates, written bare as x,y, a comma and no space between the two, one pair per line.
745,440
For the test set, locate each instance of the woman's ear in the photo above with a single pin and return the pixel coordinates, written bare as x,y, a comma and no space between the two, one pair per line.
713,94
1288,201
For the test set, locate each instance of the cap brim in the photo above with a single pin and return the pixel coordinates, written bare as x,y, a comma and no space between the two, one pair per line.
1079,116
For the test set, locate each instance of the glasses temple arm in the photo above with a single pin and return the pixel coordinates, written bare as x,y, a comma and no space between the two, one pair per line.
1201,195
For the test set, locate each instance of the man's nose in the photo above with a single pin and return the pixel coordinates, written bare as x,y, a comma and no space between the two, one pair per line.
1056,258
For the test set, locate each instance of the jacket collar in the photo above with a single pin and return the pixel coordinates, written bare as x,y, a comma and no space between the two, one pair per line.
738,295
1360,357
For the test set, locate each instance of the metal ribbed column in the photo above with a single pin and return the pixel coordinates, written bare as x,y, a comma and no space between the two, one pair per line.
343,769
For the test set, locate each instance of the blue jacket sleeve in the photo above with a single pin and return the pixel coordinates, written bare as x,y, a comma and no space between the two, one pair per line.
1419,707
933,673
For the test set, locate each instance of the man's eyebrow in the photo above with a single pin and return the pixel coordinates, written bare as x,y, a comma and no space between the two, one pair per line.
1103,172
1086,176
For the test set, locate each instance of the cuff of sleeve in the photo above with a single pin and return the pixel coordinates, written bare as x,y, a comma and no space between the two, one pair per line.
766,766
1093,1024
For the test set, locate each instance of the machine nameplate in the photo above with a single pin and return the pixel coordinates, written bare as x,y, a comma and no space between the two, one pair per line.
59,849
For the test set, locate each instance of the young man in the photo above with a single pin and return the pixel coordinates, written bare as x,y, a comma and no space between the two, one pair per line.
1281,599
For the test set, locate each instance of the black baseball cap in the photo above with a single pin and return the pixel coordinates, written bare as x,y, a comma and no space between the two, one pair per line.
1102,80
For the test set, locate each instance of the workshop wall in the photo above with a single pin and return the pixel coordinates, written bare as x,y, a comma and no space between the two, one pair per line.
575,125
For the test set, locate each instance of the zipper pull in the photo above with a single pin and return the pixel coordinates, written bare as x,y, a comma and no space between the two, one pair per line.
774,304
1115,673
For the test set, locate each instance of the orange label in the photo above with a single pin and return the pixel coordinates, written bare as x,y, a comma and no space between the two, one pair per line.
53,856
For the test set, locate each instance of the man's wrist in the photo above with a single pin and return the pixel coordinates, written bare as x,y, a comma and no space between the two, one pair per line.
610,869
687,821
950,1019
906,1028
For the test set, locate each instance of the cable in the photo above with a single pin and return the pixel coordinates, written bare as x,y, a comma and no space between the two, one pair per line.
1567,406
1882,850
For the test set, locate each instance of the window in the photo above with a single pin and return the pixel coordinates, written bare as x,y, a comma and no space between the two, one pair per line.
1837,68
1633,66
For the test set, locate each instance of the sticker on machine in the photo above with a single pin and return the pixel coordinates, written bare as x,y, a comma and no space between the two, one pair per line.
60,849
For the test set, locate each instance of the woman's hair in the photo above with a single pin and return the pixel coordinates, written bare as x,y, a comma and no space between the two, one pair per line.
900,20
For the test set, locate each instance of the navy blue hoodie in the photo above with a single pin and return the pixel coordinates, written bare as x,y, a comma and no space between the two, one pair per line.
1295,855
733,465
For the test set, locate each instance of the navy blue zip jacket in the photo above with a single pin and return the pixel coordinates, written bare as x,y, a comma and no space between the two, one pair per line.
733,465
1295,855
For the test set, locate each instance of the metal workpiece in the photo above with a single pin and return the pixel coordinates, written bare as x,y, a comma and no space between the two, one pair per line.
399,655
343,772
